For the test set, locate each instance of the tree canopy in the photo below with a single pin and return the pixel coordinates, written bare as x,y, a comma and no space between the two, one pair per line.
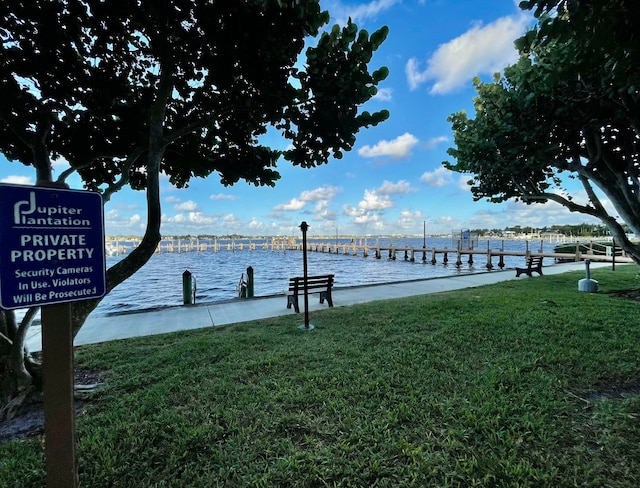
569,108
211,77
125,91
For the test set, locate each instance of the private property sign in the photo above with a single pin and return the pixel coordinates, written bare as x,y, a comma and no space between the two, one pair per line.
52,246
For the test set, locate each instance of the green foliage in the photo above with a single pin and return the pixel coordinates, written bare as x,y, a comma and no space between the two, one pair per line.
528,383
126,90
567,108
333,85
109,86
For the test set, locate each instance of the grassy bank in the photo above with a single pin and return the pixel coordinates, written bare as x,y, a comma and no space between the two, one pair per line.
524,383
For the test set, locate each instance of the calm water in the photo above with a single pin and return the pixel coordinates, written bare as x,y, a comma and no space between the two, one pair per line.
159,282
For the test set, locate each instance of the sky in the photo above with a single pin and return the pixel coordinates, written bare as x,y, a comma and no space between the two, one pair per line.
393,181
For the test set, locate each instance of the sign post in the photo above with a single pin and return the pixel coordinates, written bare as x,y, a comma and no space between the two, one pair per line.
51,255
59,409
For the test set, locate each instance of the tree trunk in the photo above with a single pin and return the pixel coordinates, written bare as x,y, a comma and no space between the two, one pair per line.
15,362
16,382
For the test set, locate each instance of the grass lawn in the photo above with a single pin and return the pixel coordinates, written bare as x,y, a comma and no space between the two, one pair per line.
523,383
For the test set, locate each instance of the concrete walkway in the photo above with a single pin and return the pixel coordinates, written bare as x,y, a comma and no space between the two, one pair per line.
158,321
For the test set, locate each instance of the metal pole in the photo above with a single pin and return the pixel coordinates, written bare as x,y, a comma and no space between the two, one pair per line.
424,234
304,227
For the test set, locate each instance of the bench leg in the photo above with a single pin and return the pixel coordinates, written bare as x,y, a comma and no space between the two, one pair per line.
293,300
326,295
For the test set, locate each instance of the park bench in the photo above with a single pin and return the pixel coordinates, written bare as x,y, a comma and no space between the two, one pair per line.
534,264
315,284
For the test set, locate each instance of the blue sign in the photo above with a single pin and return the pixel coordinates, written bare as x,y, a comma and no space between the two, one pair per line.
52,246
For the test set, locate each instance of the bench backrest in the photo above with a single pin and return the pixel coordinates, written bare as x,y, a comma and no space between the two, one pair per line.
324,281
534,260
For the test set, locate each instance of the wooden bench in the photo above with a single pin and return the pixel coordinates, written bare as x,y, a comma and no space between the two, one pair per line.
534,264
315,284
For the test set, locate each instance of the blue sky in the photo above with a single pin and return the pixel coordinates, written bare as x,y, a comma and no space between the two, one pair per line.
393,180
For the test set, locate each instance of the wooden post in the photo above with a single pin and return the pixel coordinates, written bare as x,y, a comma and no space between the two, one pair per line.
59,411
613,254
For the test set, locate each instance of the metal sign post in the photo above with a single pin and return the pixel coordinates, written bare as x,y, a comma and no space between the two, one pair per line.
52,254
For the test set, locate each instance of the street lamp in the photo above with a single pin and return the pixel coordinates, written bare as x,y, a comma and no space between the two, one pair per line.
424,234
306,326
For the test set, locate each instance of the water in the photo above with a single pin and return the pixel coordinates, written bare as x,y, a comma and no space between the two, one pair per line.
159,282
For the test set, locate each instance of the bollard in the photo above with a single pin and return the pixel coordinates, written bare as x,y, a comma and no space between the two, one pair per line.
250,282
187,287
587,284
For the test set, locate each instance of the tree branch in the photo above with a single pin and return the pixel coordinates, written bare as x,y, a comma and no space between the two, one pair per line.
38,146
2,336
125,174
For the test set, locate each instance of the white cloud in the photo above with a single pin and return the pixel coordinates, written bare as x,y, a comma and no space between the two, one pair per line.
400,147
115,224
18,180
222,196
383,95
60,164
172,200
437,178
196,218
374,201
483,49
323,193
409,220
291,205
358,13
255,224
463,182
231,220
401,187
367,219
188,206
434,141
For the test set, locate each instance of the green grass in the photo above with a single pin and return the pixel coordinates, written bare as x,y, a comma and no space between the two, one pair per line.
492,386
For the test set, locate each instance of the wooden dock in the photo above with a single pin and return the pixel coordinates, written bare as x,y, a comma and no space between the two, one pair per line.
458,255
117,247
432,255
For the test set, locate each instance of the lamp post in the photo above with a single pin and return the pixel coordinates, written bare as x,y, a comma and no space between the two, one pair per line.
306,326
424,234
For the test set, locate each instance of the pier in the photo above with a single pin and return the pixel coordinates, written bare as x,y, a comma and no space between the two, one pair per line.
431,255
116,247
459,255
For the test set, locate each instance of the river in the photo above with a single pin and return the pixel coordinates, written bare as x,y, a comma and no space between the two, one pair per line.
159,282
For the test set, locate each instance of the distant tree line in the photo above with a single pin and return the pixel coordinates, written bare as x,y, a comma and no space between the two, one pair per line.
579,230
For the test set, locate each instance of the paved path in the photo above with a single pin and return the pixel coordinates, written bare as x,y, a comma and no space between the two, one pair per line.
158,321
